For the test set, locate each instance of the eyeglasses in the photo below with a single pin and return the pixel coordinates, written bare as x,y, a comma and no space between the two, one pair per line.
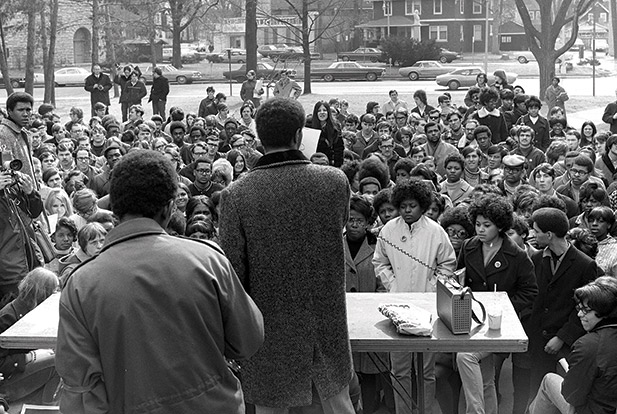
386,146
203,171
578,172
356,222
513,169
583,309
460,234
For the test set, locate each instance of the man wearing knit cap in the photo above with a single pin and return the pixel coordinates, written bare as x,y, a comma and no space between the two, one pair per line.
553,325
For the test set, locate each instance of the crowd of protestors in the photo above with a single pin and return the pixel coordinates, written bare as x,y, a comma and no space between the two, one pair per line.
523,203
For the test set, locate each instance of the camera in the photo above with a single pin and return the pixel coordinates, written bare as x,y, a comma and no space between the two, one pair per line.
11,167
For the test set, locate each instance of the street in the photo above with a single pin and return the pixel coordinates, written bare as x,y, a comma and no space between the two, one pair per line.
189,96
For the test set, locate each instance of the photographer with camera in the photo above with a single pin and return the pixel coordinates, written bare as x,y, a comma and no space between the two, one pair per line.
20,203
14,141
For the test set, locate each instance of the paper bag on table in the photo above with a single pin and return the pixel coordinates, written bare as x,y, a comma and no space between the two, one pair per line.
409,319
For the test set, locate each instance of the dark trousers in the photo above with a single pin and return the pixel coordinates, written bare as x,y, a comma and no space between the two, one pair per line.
125,111
158,107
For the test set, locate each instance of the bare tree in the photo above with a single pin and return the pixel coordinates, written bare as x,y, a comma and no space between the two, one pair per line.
30,10
96,30
4,65
317,18
183,13
250,34
48,40
554,16
613,15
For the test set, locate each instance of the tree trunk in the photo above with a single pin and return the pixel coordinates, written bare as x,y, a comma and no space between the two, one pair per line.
4,66
110,50
30,45
305,47
250,34
96,27
613,15
176,36
51,58
45,48
546,64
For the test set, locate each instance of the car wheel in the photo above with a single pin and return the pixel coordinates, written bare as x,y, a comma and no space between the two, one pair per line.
454,85
328,78
345,58
15,84
240,79
373,59
443,59
522,59
413,76
371,76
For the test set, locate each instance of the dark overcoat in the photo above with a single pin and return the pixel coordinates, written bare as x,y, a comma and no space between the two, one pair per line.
510,270
282,228
553,312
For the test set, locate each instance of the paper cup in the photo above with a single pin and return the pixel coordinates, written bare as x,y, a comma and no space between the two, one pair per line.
494,317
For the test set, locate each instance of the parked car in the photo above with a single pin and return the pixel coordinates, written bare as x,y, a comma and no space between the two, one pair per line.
602,46
15,82
187,54
466,77
172,74
292,53
264,70
363,53
348,71
527,56
236,56
446,56
67,76
424,69
272,50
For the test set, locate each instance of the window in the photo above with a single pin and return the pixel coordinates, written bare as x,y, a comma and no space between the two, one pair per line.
438,33
413,5
387,8
603,18
506,39
477,32
436,6
477,7
462,6
462,33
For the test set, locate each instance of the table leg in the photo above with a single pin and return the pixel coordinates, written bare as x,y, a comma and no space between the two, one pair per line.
420,377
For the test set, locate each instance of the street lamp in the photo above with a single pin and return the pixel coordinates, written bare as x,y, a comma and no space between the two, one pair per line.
385,13
593,47
486,34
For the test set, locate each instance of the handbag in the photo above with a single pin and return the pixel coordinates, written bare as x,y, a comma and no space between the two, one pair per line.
455,306
44,243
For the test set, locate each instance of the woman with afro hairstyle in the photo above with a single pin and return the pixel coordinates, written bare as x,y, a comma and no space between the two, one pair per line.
455,222
411,251
492,261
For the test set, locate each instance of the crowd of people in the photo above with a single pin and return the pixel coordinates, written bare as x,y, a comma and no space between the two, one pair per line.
525,204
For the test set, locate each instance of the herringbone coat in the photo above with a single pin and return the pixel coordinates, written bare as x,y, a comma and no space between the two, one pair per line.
281,227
